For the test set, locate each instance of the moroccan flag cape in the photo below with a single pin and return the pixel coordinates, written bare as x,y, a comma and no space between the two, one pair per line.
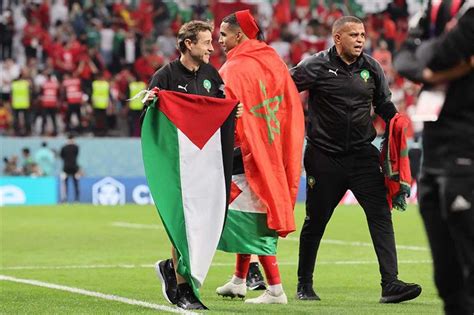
271,130
395,162
187,147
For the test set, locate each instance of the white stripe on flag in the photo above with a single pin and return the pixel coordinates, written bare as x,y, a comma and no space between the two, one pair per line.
247,200
204,200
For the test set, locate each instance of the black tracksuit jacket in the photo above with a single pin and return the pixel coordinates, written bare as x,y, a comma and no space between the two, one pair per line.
175,77
340,100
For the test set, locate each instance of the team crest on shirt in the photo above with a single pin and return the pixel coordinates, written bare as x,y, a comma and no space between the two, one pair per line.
207,85
311,182
365,75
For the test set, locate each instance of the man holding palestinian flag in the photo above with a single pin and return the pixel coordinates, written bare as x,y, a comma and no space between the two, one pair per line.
187,145
270,136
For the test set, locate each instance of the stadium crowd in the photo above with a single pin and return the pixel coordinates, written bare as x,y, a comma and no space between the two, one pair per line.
77,62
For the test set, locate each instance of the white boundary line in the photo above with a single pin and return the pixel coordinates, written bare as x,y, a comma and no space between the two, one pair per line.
109,297
360,244
217,264
137,226
290,238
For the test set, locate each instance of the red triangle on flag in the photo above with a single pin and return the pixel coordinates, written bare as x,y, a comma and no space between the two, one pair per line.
235,191
198,117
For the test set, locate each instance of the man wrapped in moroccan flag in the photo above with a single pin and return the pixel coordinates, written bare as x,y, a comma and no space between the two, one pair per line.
270,136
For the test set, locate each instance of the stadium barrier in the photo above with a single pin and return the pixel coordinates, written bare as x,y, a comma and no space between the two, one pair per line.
101,191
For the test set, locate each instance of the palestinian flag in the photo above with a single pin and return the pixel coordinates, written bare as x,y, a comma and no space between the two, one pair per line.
187,147
247,213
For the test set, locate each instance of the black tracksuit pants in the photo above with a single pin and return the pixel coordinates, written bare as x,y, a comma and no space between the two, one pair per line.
447,208
328,178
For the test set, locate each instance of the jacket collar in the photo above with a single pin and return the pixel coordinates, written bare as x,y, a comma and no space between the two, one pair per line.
334,56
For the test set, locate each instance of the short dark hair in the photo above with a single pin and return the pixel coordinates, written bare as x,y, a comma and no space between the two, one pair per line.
340,22
190,31
231,19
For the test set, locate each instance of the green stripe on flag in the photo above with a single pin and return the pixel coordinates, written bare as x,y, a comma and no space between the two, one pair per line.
247,233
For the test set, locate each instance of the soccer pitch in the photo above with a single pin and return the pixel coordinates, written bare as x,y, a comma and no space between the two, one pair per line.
95,259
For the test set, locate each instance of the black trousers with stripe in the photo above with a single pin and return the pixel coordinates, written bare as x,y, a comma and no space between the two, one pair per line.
328,179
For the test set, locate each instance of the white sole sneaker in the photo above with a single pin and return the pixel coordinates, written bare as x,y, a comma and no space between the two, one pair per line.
268,298
162,280
232,290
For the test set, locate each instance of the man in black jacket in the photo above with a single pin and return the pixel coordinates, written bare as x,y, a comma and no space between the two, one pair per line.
190,73
343,85
446,186
69,154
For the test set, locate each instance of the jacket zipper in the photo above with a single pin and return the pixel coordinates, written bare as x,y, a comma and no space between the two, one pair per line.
349,115
195,83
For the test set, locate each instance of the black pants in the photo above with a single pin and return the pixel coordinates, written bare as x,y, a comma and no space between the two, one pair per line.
51,112
76,110
100,122
328,179
134,123
18,128
75,181
447,208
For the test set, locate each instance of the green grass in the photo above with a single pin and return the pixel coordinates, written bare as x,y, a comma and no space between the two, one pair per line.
46,239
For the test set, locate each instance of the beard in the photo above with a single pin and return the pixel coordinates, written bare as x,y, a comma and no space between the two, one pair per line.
200,59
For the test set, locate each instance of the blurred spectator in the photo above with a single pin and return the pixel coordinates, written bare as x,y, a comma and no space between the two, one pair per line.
10,71
147,64
282,48
72,94
45,159
130,50
50,102
90,64
59,12
5,118
107,43
7,30
21,103
28,167
384,57
33,35
161,16
69,154
167,43
135,107
100,103
11,166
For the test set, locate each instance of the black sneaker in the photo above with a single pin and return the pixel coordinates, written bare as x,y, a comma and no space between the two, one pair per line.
255,279
187,300
398,291
305,292
165,272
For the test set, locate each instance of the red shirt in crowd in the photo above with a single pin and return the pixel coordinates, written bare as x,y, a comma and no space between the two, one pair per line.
73,91
49,97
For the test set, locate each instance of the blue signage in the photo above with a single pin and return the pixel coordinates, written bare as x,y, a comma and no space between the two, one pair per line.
96,190
28,191
112,191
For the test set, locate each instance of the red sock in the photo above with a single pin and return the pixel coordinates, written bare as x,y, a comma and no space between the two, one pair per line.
270,266
242,266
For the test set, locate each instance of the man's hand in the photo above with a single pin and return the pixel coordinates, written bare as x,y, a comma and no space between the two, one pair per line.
455,72
150,96
240,110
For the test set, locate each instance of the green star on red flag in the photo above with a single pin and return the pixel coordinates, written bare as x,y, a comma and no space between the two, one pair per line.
268,113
